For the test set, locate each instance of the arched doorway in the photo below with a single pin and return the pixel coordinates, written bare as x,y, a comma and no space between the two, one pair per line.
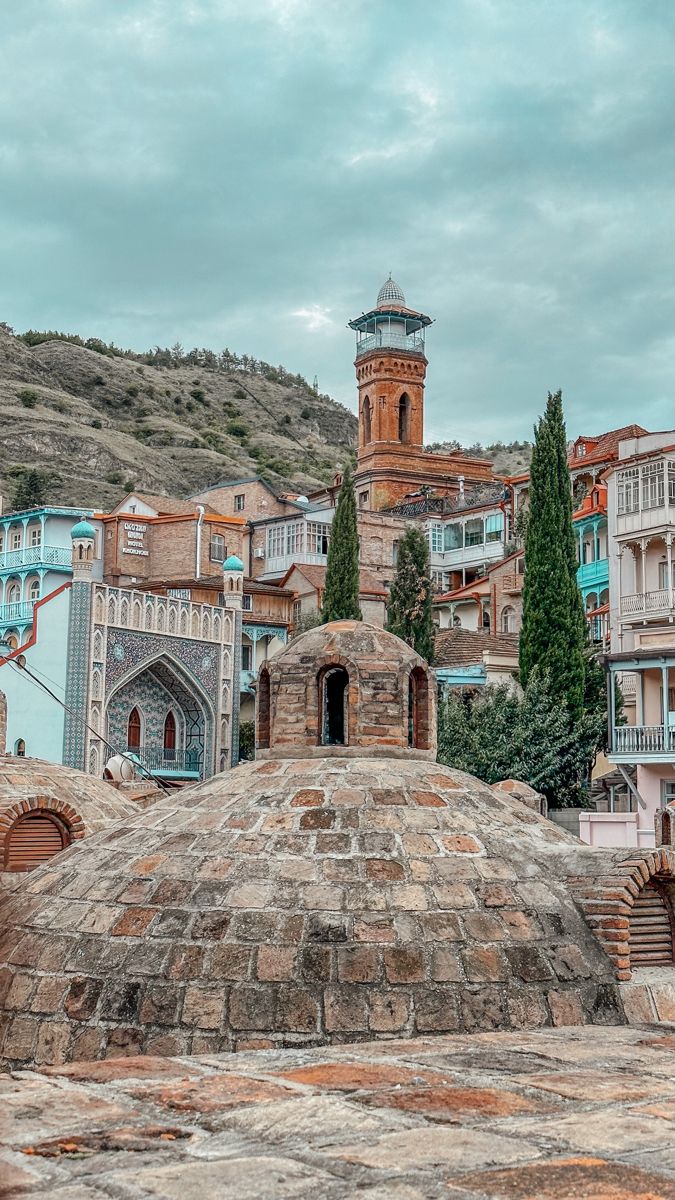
169,736
333,701
34,839
263,709
134,727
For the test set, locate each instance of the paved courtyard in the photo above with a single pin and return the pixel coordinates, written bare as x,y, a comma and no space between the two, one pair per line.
555,1114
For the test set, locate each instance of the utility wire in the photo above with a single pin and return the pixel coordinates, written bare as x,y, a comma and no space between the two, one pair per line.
25,671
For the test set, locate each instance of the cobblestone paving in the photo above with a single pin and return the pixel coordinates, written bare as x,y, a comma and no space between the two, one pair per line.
553,1114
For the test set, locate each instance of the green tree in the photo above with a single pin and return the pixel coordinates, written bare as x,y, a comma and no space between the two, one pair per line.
341,593
30,491
553,635
409,606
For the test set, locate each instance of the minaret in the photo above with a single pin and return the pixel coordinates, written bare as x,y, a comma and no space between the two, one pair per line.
79,629
390,370
233,593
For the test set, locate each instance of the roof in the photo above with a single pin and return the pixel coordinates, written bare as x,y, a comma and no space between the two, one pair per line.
589,507
390,293
369,585
466,592
251,586
605,446
464,647
233,563
83,529
165,505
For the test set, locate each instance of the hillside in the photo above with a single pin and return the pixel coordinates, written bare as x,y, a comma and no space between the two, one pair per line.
99,424
510,458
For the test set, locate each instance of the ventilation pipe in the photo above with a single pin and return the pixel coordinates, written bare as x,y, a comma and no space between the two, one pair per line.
198,541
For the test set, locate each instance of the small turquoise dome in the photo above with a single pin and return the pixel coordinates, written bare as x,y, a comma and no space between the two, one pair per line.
233,564
83,530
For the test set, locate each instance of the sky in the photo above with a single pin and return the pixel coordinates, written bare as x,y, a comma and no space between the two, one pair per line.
246,173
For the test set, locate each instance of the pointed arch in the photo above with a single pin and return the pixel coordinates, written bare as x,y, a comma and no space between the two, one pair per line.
404,418
263,712
419,710
134,729
367,421
333,704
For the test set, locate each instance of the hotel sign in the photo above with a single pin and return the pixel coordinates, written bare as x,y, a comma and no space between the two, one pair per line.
135,538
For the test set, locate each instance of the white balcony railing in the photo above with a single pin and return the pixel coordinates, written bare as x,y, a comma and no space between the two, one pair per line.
19,611
643,603
642,740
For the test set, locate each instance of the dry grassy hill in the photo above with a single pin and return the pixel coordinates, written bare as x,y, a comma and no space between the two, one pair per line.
100,424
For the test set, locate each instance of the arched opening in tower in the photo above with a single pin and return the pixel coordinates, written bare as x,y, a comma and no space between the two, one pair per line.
263,705
333,694
419,734
404,418
367,421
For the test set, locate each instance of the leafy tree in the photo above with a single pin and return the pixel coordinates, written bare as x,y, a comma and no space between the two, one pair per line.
499,734
552,638
246,741
30,491
341,593
409,607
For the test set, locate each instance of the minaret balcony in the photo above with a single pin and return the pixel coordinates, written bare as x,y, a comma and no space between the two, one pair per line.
386,339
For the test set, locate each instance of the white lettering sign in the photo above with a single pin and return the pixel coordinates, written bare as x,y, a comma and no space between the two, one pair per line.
135,550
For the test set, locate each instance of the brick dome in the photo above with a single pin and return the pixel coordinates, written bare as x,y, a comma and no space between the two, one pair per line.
44,807
346,689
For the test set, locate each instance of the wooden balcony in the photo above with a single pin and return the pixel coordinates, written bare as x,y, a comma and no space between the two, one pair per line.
512,585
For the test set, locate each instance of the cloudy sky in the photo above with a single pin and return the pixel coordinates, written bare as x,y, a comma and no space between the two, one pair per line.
247,172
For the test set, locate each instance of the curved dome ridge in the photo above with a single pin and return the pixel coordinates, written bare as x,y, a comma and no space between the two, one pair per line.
390,293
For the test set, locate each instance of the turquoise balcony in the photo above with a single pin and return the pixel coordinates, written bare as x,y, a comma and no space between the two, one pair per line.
36,556
593,575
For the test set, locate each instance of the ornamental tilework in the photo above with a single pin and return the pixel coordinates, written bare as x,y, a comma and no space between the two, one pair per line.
127,649
77,680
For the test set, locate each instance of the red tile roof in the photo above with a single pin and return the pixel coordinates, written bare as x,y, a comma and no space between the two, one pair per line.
605,446
465,647
316,575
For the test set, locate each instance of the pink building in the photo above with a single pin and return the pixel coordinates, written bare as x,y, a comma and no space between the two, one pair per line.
641,526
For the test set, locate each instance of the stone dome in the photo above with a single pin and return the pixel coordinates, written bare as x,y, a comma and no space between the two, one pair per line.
304,899
346,689
44,807
390,293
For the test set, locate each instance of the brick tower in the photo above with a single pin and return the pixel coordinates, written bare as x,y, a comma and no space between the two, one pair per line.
391,368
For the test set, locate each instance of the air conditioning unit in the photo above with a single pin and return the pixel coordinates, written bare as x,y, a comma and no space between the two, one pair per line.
259,553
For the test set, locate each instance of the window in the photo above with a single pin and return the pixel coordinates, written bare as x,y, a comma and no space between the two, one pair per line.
240,502
246,657
297,613
671,486
34,839
394,552
404,418
35,536
437,580
581,450
217,549
295,537
367,421
15,539
508,620
13,594
317,537
453,536
494,527
652,485
170,736
247,603
669,791
333,698
650,927
34,590
473,532
436,539
276,541
628,490
663,575
134,730
363,499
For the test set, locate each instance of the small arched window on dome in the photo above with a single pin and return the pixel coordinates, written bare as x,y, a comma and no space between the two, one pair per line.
419,716
134,730
651,927
33,839
263,706
333,684
170,736
404,418
367,421
20,748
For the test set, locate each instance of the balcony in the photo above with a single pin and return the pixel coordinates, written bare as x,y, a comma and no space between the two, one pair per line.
183,764
36,556
468,556
593,574
385,340
278,564
512,585
19,613
660,603
636,742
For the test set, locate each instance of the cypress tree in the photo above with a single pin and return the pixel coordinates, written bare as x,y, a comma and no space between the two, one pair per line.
341,593
409,606
553,635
